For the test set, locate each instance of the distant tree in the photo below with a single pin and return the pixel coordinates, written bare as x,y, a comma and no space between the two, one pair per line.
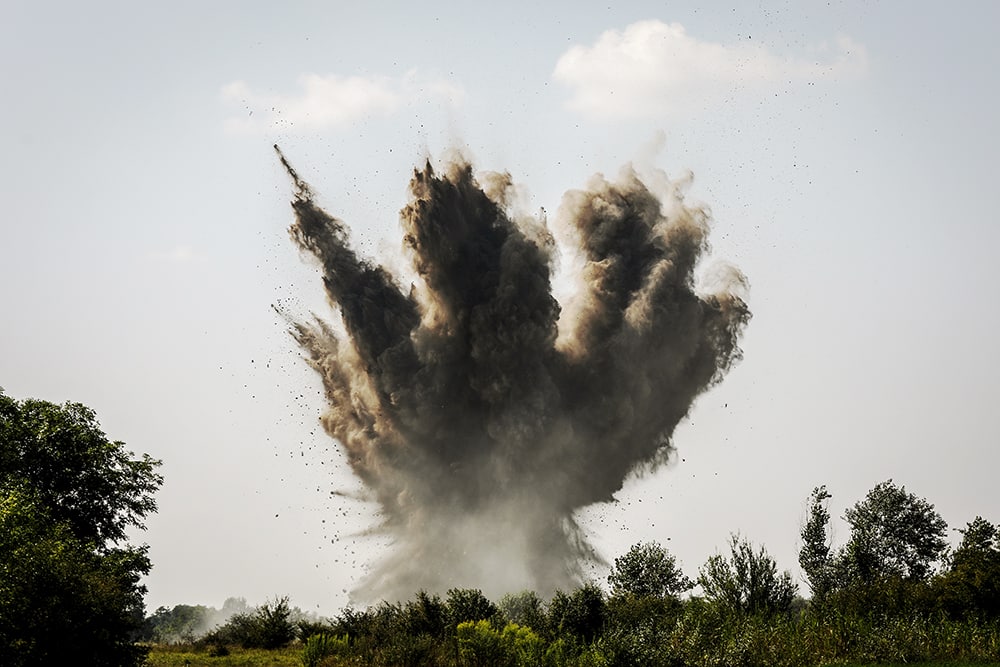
648,570
815,556
269,626
70,590
182,623
894,534
747,582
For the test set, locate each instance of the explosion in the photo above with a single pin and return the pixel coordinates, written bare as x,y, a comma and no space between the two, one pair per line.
481,413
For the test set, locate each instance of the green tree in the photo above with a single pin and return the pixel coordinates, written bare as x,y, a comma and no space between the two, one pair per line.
269,626
648,570
581,614
748,582
468,604
425,615
894,534
183,623
971,584
524,609
815,556
61,600
70,590
60,455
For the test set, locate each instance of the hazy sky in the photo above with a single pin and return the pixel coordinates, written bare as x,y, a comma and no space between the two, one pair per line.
847,151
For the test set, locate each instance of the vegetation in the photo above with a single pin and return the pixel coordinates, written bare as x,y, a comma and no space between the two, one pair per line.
70,589
890,595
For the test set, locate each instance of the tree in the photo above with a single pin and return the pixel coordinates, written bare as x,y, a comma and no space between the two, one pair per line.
525,609
648,570
747,582
61,455
468,604
62,601
894,534
581,614
425,615
70,590
971,584
815,557
269,626
183,623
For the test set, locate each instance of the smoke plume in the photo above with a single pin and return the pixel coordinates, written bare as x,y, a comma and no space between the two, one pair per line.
478,411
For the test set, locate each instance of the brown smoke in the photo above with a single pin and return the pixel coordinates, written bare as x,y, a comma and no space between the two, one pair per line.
478,420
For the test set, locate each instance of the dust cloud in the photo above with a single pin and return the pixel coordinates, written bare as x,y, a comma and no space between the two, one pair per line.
478,411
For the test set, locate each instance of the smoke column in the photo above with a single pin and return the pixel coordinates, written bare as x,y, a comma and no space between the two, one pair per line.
479,413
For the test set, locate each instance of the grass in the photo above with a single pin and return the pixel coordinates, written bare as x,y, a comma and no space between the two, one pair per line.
925,664
186,655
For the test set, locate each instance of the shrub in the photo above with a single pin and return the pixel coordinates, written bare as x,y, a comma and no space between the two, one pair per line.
320,646
481,645
268,627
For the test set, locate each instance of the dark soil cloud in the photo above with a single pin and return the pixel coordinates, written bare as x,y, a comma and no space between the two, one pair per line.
480,412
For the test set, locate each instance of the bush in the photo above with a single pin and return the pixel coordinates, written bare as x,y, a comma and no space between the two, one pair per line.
320,646
747,582
268,627
481,645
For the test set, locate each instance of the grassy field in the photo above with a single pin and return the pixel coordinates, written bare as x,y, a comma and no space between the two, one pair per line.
189,656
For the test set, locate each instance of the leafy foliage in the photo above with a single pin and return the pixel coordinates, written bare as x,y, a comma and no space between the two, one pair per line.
815,554
648,569
579,615
269,626
70,590
524,609
320,646
748,617
468,604
747,582
893,534
971,584
61,600
62,458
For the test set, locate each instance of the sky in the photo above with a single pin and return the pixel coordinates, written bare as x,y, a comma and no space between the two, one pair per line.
845,149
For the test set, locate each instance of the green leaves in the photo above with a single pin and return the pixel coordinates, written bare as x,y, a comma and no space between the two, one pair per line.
70,589
648,570
815,554
62,601
893,534
60,455
747,582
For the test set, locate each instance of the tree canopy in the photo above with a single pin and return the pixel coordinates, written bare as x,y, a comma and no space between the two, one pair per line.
893,534
60,455
70,590
648,570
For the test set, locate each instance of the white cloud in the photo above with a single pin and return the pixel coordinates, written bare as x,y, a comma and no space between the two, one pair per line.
332,101
652,68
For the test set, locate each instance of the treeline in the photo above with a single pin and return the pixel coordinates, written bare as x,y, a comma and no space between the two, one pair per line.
892,593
